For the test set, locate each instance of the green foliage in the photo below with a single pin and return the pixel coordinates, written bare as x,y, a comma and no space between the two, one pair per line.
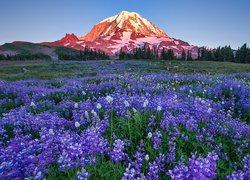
243,54
147,53
183,55
54,173
9,105
37,56
2,57
219,54
105,169
57,97
86,54
167,55
189,56
226,53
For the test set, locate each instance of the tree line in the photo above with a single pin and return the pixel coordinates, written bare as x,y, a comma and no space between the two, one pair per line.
226,53
86,54
147,53
17,57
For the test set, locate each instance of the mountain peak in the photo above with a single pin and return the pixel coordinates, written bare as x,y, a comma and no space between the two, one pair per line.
124,22
127,14
70,38
122,14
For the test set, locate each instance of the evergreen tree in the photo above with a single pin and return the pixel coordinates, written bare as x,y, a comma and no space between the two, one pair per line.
199,54
2,57
189,56
248,56
170,55
242,54
183,55
163,54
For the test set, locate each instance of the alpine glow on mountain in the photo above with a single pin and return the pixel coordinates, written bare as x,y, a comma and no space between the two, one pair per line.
125,32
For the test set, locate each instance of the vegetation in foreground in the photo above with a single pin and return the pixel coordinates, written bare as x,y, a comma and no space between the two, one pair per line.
126,120
11,70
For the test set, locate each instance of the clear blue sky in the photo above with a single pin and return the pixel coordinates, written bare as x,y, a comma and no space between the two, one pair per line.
200,22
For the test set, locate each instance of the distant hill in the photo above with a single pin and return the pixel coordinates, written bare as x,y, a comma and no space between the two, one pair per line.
27,48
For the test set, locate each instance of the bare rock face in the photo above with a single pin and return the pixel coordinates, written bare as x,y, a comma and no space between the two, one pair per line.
125,32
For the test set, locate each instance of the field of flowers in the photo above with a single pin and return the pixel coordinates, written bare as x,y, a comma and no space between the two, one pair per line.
126,125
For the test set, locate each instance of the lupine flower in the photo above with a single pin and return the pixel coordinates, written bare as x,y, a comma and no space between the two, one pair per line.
126,103
149,135
98,106
86,114
76,105
157,139
133,171
243,173
51,131
94,113
156,167
199,168
145,103
147,157
139,157
130,173
83,93
109,99
118,151
82,175
159,108
32,104
77,124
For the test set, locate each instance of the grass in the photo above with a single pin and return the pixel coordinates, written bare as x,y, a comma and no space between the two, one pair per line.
15,70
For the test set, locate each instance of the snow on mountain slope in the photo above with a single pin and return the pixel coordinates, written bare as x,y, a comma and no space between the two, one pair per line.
125,22
125,31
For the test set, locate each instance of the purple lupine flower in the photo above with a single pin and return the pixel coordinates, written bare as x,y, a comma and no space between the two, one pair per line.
151,121
156,167
198,168
139,157
243,173
133,171
157,139
237,175
179,172
172,148
130,173
83,174
118,151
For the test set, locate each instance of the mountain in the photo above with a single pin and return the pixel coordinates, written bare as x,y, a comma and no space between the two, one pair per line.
20,47
132,24
125,32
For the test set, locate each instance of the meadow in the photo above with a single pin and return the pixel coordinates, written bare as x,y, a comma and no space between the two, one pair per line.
124,120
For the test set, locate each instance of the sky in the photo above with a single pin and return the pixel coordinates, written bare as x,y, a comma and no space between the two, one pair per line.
208,23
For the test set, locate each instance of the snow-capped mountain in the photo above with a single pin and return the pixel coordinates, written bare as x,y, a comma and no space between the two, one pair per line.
131,24
125,32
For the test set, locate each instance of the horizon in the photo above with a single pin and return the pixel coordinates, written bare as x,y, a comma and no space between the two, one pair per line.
226,24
